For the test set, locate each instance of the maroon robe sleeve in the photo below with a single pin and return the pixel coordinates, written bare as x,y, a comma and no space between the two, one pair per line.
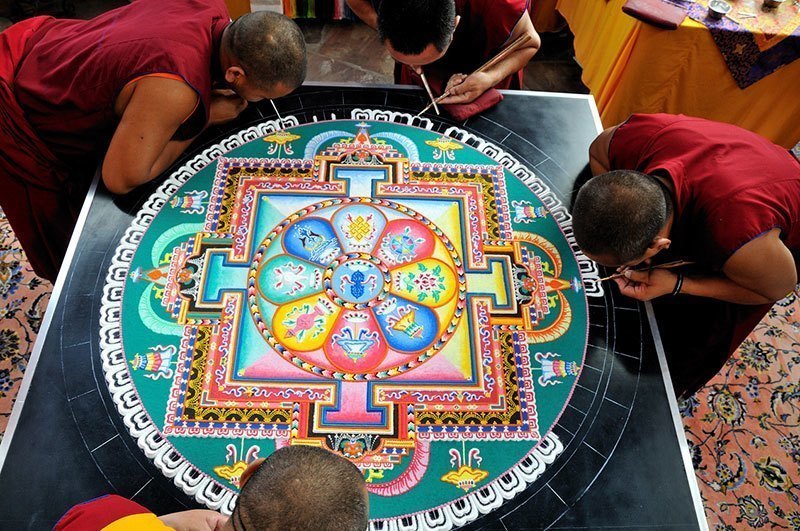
30,177
98,513
494,21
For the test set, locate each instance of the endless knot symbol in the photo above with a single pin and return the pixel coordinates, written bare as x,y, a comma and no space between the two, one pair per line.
359,228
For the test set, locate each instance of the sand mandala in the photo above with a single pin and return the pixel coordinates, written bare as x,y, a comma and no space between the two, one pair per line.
383,291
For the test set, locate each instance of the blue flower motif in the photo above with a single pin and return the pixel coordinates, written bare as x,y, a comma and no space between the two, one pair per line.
696,454
5,381
752,387
687,406
10,272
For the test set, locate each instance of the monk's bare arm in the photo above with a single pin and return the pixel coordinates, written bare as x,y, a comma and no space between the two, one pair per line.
465,89
517,60
364,10
141,147
761,271
598,152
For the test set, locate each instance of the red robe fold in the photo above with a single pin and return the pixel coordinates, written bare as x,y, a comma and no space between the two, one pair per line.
31,177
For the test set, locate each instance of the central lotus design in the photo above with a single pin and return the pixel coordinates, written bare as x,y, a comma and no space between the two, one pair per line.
360,289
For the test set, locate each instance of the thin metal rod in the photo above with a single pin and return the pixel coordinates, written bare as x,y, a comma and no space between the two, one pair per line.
276,111
667,265
505,52
428,89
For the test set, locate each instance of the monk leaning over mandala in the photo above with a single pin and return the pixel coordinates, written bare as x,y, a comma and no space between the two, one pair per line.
449,42
681,188
137,84
297,487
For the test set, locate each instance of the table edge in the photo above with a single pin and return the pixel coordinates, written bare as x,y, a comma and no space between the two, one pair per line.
79,226
694,488
69,257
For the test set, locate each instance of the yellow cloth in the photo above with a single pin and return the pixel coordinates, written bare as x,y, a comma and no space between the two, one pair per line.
138,522
237,8
544,16
633,67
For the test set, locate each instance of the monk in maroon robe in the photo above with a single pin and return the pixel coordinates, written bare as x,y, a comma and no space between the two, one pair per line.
451,39
682,188
296,487
136,84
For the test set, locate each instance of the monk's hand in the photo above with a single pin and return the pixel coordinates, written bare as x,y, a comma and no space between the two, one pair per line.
455,79
466,89
646,285
226,105
195,520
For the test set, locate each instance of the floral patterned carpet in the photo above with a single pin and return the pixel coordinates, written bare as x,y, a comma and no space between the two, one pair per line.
23,299
743,428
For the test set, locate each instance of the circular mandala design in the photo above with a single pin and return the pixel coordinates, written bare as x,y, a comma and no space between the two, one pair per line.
441,445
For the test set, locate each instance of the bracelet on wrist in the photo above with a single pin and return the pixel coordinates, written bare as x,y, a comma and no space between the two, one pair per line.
678,284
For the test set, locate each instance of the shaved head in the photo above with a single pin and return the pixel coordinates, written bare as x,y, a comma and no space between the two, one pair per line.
270,47
618,214
410,26
303,488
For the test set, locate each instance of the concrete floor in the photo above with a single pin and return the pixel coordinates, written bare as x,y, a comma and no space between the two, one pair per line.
352,52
